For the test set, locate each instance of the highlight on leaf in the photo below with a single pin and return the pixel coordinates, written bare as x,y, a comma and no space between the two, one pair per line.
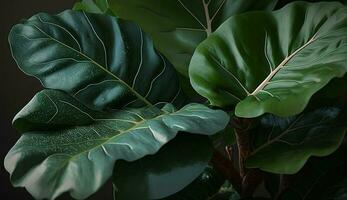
281,61
101,60
74,147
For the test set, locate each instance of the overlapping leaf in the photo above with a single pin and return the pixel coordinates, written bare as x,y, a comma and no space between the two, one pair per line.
322,179
283,145
272,61
67,147
178,26
282,3
170,170
204,187
94,6
103,61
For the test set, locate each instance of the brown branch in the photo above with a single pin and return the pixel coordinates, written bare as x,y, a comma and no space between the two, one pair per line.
285,181
226,167
242,138
251,178
251,181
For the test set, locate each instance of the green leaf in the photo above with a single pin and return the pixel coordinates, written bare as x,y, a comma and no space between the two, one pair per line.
93,6
170,170
103,61
204,187
67,147
178,26
321,179
275,64
282,3
285,144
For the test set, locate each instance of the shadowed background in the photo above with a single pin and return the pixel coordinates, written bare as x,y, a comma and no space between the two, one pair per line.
17,88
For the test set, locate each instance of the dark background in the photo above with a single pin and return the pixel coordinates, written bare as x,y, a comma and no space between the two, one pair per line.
17,89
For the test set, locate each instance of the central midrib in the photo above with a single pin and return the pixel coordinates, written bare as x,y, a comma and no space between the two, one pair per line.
281,65
106,140
207,16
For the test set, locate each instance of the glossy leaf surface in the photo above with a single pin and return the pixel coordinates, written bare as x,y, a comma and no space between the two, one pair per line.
170,170
283,145
103,61
275,64
178,26
67,147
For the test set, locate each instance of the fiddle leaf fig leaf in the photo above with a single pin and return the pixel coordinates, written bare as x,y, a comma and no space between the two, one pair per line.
93,6
67,147
320,179
285,144
276,64
178,26
282,3
103,61
175,166
206,186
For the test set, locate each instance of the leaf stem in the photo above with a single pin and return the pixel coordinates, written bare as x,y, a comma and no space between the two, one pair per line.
226,167
253,177
208,19
242,138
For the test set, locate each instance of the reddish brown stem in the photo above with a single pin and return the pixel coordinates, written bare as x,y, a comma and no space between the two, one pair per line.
251,178
242,138
251,181
226,167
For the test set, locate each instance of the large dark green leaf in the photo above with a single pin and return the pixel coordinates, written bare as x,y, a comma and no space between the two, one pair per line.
103,61
170,170
282,3
283,145
93,6
204,187
67,147
272,61
321,179
178,26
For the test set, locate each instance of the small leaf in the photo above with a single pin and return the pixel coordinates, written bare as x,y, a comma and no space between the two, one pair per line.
103,61
170,170
276,64
321,179
178,26
67,147
285,144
